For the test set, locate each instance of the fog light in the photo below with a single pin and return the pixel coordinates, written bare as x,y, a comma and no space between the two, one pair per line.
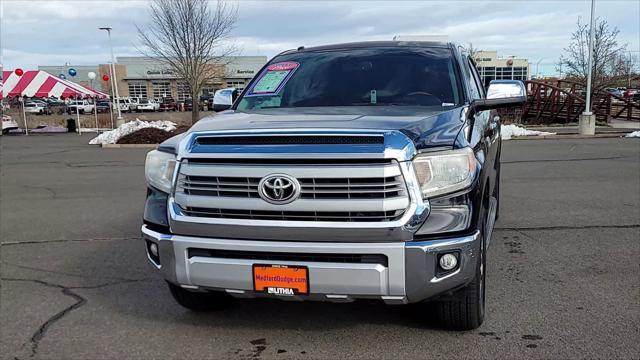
448,262
153,249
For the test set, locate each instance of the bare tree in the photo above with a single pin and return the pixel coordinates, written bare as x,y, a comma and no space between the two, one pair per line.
608,55
191,39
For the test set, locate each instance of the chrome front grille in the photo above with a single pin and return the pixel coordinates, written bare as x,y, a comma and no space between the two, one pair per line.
311,188
338,192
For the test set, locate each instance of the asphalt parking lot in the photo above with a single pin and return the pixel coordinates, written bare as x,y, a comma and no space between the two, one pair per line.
563,274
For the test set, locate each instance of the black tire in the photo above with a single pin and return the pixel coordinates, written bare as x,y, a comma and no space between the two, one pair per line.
5,131
200,301
496,192
464,309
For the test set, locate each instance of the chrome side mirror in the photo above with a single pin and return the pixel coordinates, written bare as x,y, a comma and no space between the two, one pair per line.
500,89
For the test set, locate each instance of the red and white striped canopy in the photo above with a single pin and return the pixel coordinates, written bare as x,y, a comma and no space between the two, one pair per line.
36,83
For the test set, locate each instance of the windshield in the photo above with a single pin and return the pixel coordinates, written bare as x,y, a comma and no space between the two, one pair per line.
379,76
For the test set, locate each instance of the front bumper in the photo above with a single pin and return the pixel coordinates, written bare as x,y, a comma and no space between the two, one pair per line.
409,274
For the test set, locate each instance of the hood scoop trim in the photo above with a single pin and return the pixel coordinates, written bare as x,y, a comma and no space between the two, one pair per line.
290,140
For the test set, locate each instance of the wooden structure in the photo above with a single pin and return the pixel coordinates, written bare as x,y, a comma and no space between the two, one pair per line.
562,101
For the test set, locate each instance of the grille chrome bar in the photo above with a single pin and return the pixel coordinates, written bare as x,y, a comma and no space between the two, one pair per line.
244,203
302,171
349,216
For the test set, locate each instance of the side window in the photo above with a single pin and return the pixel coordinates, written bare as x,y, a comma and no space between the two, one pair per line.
476,88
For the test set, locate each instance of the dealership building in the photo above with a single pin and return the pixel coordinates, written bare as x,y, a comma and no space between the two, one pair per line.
492,67
146,77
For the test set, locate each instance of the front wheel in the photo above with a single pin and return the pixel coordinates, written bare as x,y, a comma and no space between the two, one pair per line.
200,301
464,309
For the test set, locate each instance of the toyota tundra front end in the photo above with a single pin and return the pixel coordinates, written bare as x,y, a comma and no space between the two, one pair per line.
354,171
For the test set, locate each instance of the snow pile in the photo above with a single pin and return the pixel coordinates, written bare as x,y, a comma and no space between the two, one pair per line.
49,129
633,134
92,129
112,137
509,131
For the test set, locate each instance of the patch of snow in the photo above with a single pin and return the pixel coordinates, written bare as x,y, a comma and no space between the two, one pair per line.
49,129
633,134
112,137
512,130
92,129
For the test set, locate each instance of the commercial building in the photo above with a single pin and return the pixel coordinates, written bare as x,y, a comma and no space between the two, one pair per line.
82,73
146,77
492,67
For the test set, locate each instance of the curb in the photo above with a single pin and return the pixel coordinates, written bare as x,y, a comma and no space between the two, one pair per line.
129,146
569,136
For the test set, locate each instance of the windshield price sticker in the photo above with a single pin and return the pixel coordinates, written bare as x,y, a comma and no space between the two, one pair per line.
273,79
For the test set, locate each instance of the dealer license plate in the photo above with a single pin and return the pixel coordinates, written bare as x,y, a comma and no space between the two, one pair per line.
285,280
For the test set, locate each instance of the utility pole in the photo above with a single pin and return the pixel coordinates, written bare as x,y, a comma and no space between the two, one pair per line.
587,125
114,81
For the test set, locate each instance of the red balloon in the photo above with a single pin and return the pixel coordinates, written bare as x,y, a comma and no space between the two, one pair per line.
19,72
105,77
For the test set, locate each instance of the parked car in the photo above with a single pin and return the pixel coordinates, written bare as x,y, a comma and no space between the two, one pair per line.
188,105
54,102
134,103
615,91
147,105
103,106
36,108
168,104
374,173
126,105
82,106
224,98
39,102
8,124
629,93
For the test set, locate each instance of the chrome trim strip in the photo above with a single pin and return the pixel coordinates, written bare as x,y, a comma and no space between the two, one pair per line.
176,214
241,203
438,245
298,171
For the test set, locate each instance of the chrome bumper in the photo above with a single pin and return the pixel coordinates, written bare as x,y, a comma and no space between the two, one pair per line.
409,275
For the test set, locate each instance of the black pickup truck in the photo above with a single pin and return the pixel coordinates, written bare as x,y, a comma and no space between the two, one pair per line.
352,171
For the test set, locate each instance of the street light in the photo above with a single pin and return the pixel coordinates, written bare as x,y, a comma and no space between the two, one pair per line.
538,63
587,125
114,83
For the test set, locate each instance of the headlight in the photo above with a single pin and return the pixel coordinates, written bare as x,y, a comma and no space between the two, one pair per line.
445,172
158,169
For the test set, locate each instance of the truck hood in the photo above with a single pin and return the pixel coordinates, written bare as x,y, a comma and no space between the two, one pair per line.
425,129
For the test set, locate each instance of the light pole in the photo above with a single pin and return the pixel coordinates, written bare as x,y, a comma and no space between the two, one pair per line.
538,63
92,77
587,125
114,81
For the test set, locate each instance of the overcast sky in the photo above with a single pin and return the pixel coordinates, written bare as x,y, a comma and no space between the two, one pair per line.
54,32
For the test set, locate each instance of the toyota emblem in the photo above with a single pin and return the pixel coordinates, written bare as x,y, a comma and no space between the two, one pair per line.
278,189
